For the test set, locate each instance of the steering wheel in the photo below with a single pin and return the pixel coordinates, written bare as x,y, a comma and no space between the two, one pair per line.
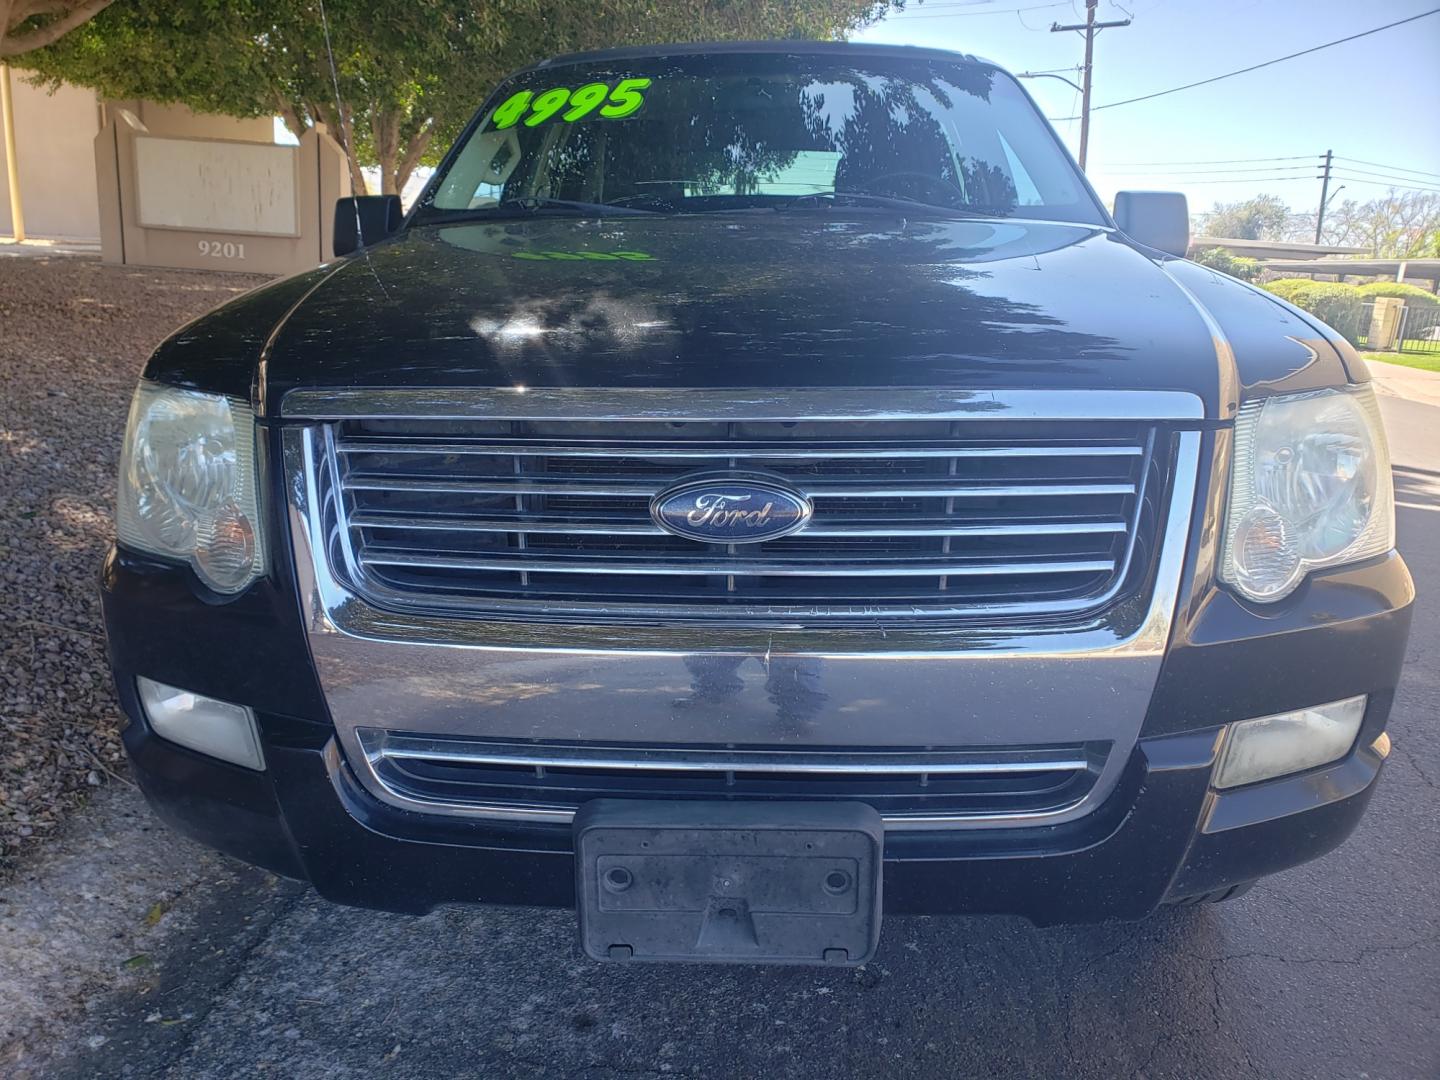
929,180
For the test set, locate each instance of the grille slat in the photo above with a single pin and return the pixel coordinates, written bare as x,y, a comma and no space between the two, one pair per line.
436,523
557,779
765,453
636,565
951,517
528,485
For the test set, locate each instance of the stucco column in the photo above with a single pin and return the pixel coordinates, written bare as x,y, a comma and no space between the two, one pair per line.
12,164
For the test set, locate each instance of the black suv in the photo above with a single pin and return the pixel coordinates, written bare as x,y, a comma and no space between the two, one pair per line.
751,472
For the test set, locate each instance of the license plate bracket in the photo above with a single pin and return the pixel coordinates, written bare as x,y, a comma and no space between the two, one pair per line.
742,882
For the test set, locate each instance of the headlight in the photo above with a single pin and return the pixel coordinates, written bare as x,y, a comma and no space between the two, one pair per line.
187,484
1310,487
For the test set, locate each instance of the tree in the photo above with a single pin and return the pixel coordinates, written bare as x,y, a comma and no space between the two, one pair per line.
1265,217
1397,226
26,25
408,75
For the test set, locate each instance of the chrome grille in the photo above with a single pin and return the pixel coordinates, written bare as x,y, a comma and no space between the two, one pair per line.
549,781
947,518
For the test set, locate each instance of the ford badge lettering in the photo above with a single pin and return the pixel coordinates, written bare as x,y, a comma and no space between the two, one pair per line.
726,510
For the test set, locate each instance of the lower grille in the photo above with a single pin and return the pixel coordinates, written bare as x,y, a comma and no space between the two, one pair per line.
948,518
548,781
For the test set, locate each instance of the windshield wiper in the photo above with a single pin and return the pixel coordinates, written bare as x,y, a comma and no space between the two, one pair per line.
533,204
530,205
867,198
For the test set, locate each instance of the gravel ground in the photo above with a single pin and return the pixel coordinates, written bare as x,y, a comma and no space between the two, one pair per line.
73,336
109,903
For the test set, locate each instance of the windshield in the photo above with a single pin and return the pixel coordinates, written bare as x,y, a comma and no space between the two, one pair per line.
741,131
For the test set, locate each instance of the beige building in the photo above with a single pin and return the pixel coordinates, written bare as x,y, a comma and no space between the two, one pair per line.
54,139
161,185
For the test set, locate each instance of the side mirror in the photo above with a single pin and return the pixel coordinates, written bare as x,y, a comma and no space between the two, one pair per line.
365,219
1157,219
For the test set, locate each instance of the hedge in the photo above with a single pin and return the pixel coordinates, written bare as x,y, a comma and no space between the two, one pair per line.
1237,266
1413,295
1330,301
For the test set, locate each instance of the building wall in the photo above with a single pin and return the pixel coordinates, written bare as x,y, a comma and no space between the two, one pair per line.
179,121
53,136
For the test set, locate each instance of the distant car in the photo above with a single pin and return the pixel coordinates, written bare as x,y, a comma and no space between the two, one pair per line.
751,473
1430,334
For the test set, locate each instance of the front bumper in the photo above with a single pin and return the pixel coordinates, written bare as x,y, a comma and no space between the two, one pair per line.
1160,835
308,818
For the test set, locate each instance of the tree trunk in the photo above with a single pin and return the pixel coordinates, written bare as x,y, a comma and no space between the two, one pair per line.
68,14
414,151
291,115
385,129
342,128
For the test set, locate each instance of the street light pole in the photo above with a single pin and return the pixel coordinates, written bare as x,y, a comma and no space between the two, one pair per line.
1089,28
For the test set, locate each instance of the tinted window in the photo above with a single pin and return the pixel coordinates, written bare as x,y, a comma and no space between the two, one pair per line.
738,131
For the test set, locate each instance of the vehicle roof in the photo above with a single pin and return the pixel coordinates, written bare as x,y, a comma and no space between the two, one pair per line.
824,48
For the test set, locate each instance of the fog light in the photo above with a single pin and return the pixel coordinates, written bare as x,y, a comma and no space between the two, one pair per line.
1290,742
212,727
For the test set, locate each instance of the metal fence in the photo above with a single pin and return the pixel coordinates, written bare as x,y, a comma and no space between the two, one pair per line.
1353,321
1419,329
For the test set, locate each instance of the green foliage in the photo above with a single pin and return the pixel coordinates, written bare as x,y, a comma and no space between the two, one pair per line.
1265,217
1413,295
409,74
1332,302
1235,265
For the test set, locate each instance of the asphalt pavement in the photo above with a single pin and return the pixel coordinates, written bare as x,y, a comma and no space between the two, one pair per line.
1329,970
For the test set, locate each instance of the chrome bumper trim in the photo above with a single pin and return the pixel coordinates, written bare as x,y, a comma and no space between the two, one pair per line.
384,748
850,403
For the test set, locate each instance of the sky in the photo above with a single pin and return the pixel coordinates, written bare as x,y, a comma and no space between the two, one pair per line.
1373,100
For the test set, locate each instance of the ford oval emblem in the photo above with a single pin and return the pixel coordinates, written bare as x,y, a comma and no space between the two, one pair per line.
730,510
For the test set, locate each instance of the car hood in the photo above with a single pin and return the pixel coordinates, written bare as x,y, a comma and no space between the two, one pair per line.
763,299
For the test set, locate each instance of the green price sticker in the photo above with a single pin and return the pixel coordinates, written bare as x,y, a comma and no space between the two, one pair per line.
624,99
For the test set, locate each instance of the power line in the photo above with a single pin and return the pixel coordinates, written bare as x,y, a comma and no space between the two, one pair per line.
1202,172
1266,63
1386,184
1391,168
1223,161
1381,175
1241,180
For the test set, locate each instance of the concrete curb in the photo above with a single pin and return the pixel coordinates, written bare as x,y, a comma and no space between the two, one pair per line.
1406,382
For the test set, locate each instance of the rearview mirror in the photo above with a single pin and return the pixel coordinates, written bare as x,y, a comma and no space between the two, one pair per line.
1157,219
365,219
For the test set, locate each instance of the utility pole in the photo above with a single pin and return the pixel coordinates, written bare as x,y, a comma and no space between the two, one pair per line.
1324,179
1089,28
